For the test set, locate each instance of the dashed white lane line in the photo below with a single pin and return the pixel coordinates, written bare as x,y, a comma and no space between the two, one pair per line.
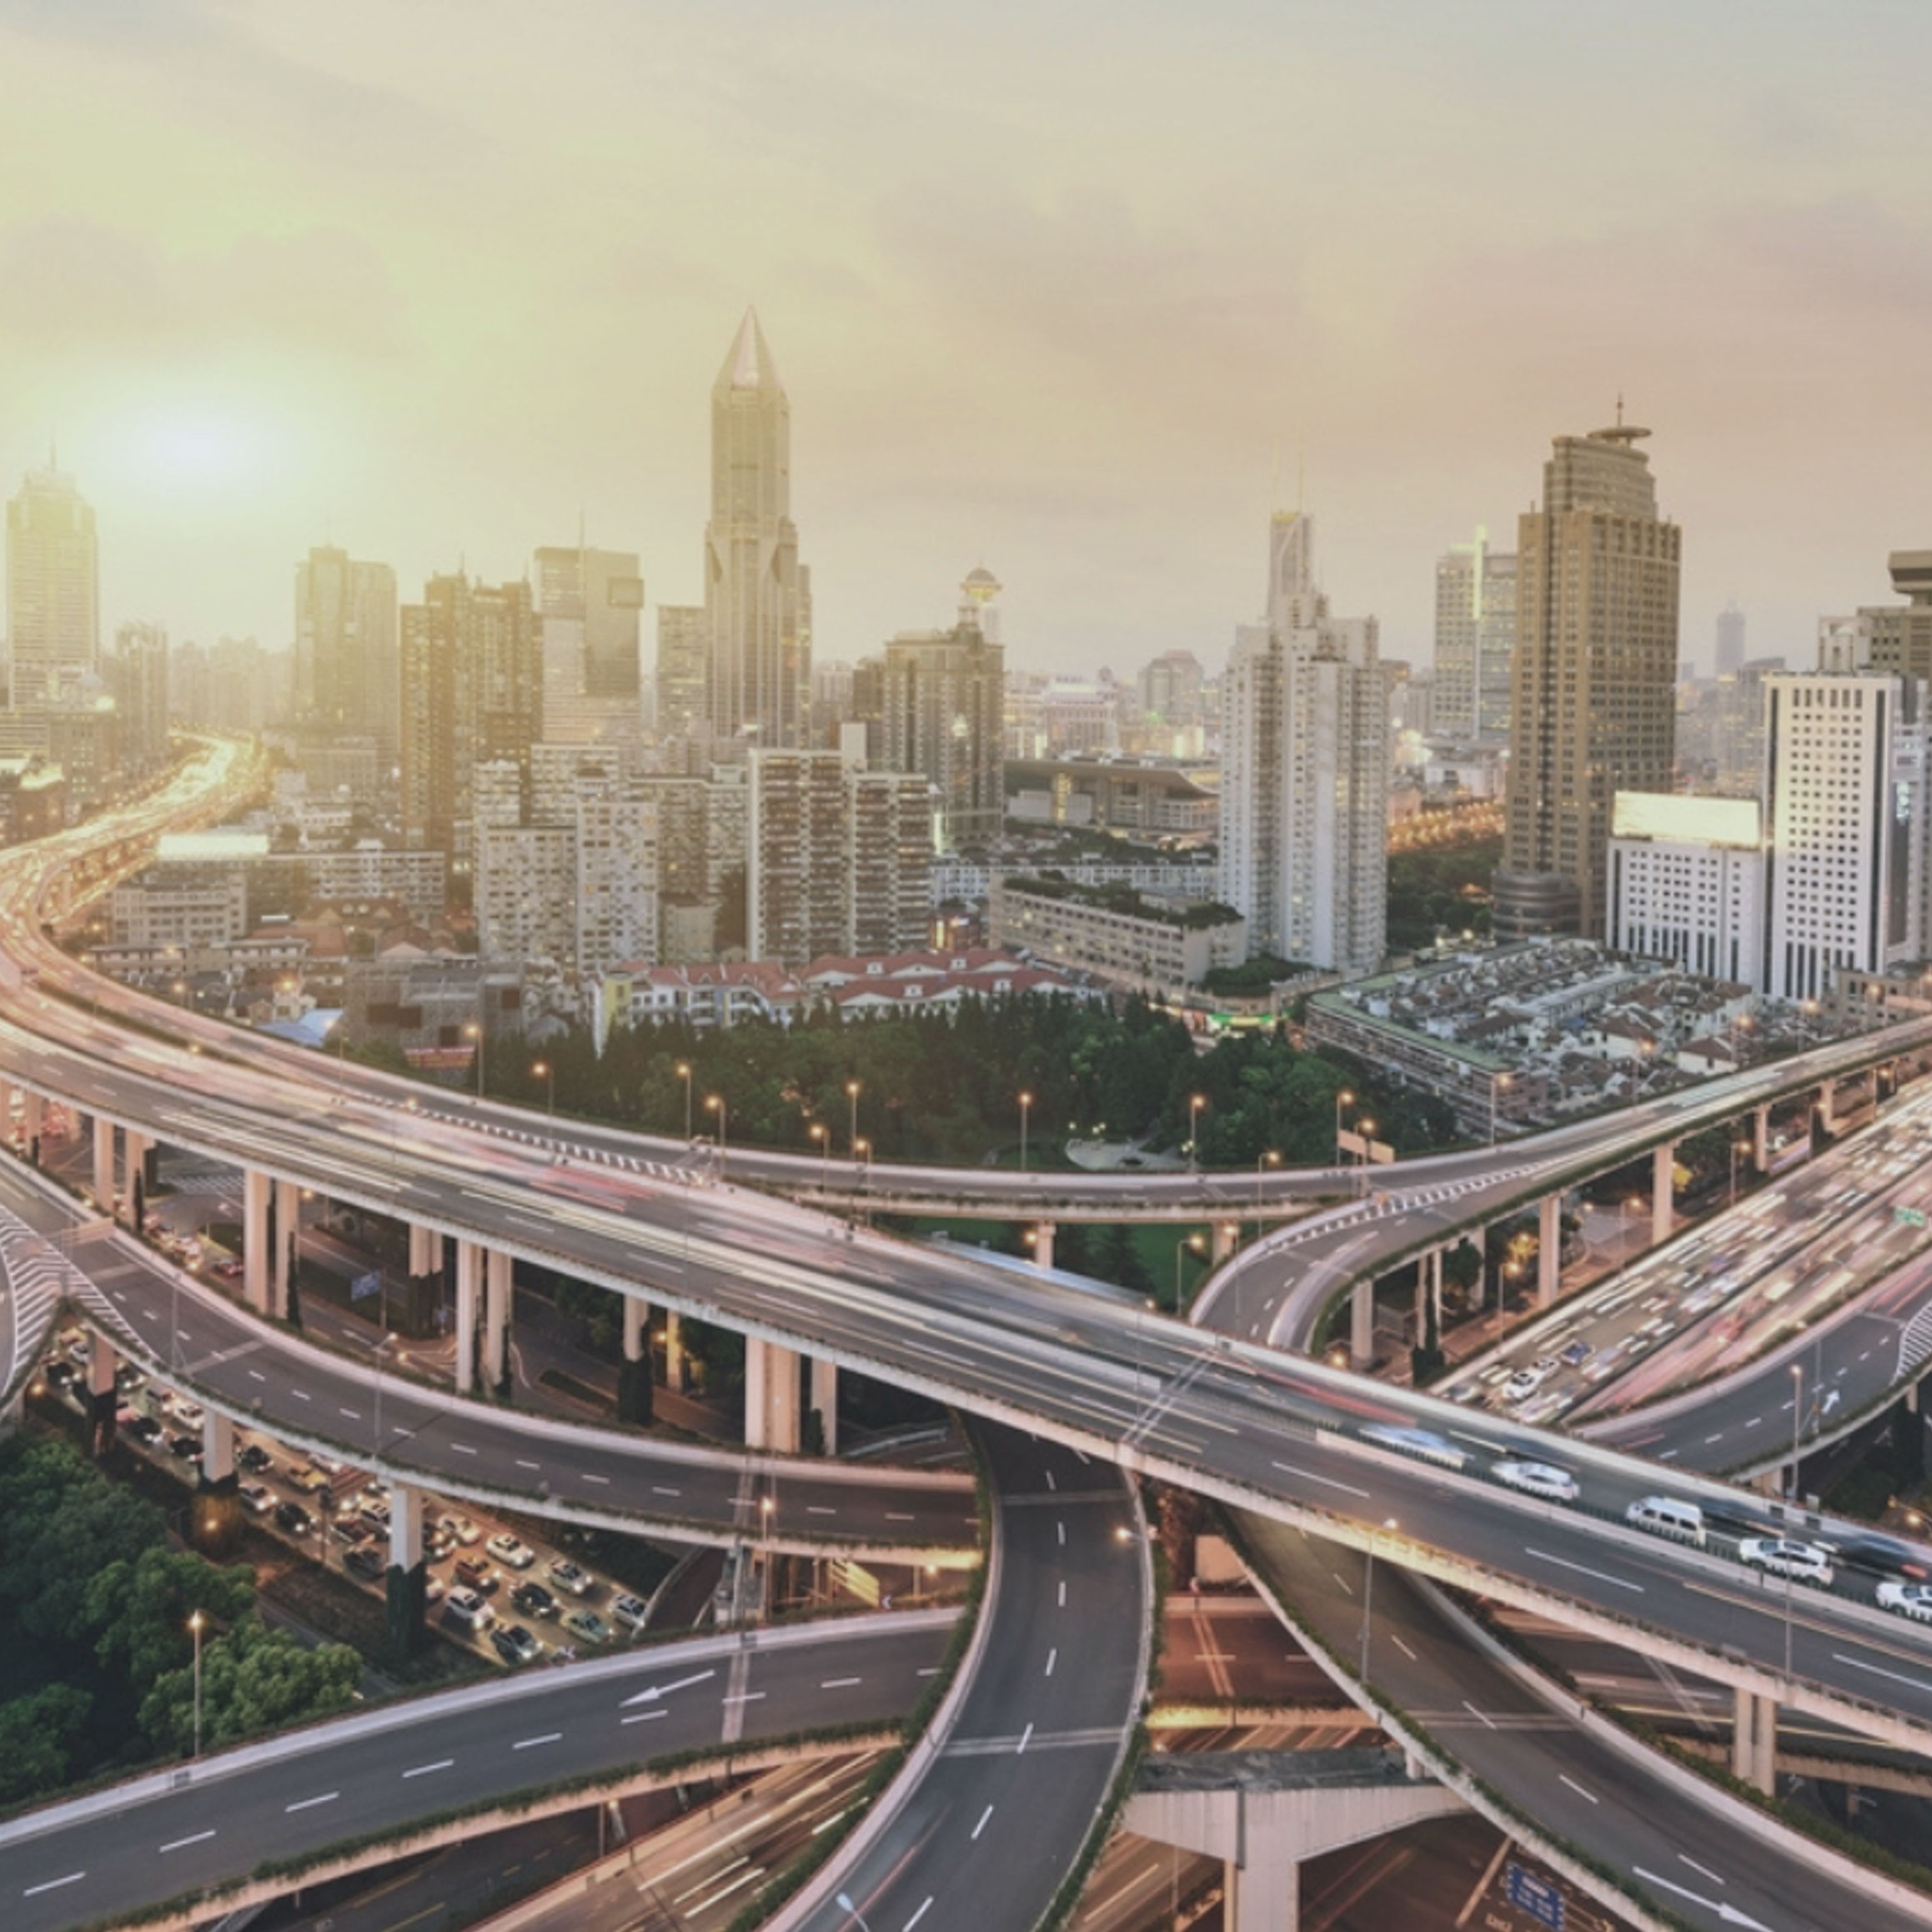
1025,1739
53,1885
183,1844
1582,1570
982,1825
301,1395
1062,1594
309,1804
839,1683
423,1770
522,1463
660,1489
354,1414
643,1717
819,1510
463,1449
1062,1527
1402,1647
920,1914
1050,1483
1052,1659
898,1516
256,1375
531,1744
1483,1716
1565,1778
588,1477
1715,1878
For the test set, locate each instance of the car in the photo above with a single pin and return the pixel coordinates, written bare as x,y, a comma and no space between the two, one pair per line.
1785,1556
229,1269
128,1379
255,1459
62,1375
588,1625
189,1414
466,1608
1736,1517
1576,1353
533,1599
511,1551
1913,1600
184,1448
1524,1383
514,1645
460,1529
309,1479
566,1576
294,1519
351,1530
1424,1444
1883,1556
144,1430
374,1508
437,1544
368,1560
256,1499
631,1612
1543,1479
477,1574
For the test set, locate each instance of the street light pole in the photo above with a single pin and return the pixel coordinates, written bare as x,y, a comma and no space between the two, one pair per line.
1181,1248
684,1072
1344,1098
474,1030
714,1103
1797,1413
852,1116
1496,1085
1195,1103
845,1904
1368,1598
378,1352
195,1624
1025,1109
822,1135
1365,1129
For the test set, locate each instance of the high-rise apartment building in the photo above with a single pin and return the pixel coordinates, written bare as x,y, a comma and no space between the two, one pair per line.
1594,698
1729,653
684,633
53,625
348,668
838,859
603,592
757,595
945,694
1304,787
137,674
472,693
1475,640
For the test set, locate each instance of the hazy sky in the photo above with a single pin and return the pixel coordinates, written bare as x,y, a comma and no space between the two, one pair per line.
1050,286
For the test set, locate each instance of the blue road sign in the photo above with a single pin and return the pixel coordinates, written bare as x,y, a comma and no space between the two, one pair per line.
1534,1895
363,1286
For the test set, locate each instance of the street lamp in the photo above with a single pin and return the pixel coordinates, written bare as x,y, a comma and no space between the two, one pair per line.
1368,1598
544,1072
1496,1085
1344,1098
822,1134
845,1905
1737,1147
852,1116
1195,1103
684,1073
377,1352
1365,1129
473,1029
1797,1413
196,1623
1269,1159
1025,1109
1181,1248
714,1103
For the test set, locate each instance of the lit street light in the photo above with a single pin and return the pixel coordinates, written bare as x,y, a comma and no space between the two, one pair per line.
852,1116
714,1103
196,1623
473,1031
822,1134
684,1073
1366,1128
1344,1098
1368,1598
1496,1085
1270,1159
544,1072
1025,1109
1195,1104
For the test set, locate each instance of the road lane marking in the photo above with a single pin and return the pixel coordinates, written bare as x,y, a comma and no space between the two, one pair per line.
1879,1670
1485,1718
742,1697
894,1515
1729,1914
463,1449
256,1375
1062,1527
840,1683
1329,1481
181,1843
354,1414
588,1477
1564,1777
920,1914
1062,1604
982,1825
1402,1647
1025,1739
531,1743
423,1770
1050,1483
1715,1878
301,1395
643,1717
1052,1659
53,1885
309,1804
652,1693
522,1464
1602,1576
659,1489
819,1509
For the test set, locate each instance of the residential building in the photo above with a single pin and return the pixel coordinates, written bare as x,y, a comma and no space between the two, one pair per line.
53,626
1136,795
1686,883
1128,939
1593,687
1475,641
945,699
683,645
348,667
138,676
1304,787
757,595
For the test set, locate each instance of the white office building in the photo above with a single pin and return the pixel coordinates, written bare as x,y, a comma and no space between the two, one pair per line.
1686,883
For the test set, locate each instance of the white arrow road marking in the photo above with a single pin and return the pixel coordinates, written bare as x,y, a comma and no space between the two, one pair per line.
1728,1913
658,1690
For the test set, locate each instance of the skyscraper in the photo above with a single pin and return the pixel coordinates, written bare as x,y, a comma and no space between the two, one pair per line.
683,644
53,625
589,604
139,680
944,718
1475,640
348,670
1730,641
1304,788
757,595
1594,698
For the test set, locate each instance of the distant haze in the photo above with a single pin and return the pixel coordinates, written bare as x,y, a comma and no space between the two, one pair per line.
1061,287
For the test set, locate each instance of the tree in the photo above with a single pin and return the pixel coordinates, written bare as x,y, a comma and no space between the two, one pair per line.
64,1522
253,1679
139,1611
37,1737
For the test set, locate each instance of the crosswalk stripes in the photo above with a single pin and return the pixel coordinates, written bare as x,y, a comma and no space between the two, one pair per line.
38,1279
1915,1344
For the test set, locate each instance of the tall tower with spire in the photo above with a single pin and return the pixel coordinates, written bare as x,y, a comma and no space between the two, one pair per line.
757,595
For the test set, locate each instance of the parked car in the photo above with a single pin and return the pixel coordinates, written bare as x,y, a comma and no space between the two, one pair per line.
1785,1556
184,1448
466,1608
533,1599
629,1611
461,1530
254,1459
144,1430
477,1574
511,1551
514,1645
589,1626
566,1576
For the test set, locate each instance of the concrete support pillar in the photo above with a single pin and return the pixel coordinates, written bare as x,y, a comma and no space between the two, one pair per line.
674,1350
1361,1325
771,1410
1043,1232
1436,1290
1755,1741
409,1574
105,1163
1549,1249
1827,1118
825,1401
218,1448
1761,1137
468,1294
1226,1234
33,1118
215,1515
6,1109
255,1193
496,1318
1264,1895
634,1395
1663,1193
134,1150
103,1398
287,1232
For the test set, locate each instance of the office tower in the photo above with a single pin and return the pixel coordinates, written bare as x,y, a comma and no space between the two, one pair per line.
1475,640
683,644
1170,689
1304,789
1686,883
1893,638
347,669
52,588
838,860
472,693
1844,819
1730,641
602,592
757,595
137,676
945,696
1594,696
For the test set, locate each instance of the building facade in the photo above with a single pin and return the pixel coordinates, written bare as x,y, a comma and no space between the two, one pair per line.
1137,945
944,718
1475,641
1687,884
348,667
1593,689
53,625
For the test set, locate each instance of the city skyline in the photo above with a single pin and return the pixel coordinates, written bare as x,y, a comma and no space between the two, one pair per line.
252,336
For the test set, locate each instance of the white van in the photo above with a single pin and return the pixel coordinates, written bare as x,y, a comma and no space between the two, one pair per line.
1665,1516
